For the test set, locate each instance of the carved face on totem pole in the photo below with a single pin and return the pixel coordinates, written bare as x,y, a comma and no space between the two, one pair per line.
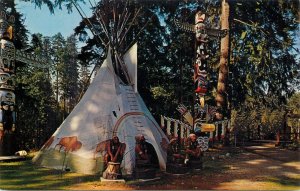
6,78
7,97
200,27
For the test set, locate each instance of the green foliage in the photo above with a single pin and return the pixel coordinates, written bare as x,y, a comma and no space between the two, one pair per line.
159,93
263,53
34,103
294,103
69,74
293,119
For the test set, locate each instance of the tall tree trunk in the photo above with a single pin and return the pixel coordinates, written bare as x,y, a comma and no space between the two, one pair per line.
221,97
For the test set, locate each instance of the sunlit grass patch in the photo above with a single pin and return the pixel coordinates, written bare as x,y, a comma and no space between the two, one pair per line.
11,163
280,182
25,175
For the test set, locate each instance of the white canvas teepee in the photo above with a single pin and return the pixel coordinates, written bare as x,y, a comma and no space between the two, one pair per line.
108,108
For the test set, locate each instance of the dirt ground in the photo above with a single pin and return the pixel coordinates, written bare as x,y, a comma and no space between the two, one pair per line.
255,167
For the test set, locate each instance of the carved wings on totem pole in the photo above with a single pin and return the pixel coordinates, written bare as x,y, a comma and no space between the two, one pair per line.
200,28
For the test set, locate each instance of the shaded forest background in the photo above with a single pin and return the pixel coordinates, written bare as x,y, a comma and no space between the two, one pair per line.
264,80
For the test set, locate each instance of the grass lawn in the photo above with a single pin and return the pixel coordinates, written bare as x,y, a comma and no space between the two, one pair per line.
25,175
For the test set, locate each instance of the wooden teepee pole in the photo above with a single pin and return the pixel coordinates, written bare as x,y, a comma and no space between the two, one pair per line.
221,97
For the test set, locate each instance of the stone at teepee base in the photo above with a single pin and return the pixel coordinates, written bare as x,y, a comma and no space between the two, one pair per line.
112,171
110,180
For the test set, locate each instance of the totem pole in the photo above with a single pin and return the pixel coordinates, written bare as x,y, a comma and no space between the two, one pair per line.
7,95
8,56
202,34
202,119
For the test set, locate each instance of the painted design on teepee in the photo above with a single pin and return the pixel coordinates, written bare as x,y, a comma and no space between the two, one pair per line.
69,144
101,148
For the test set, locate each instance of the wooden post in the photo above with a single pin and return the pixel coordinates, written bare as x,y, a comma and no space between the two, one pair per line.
187,132
221,97
175,129
168,127
217,132
223,70
181,131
